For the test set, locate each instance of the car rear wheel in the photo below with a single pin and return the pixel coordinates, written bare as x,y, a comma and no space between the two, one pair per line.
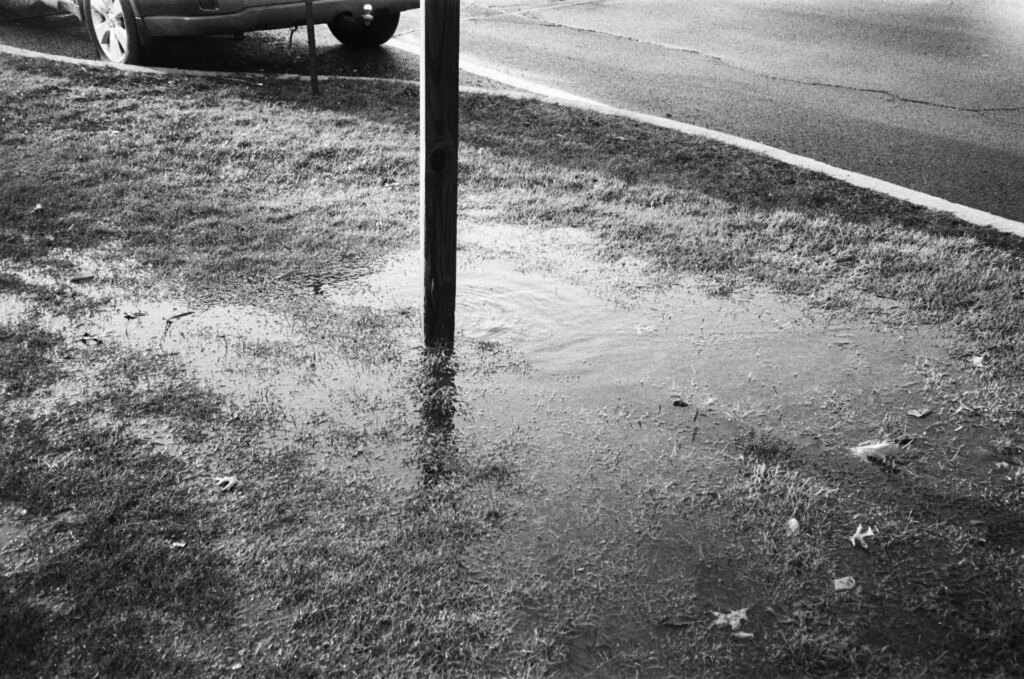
353,32
113,31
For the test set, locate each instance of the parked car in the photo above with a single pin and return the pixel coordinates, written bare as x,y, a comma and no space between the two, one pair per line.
124,31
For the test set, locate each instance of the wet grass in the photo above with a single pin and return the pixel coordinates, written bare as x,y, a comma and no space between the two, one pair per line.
932,593
101,585
138,566
28,358
123,559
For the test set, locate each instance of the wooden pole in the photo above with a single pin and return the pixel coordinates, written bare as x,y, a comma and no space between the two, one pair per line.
439,165
314,86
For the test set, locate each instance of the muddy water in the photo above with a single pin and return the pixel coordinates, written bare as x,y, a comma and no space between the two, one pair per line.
587,363
615,398
599,369
610,390
611,372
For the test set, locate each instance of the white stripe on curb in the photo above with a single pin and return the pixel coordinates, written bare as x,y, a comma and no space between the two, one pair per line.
542,92
963,212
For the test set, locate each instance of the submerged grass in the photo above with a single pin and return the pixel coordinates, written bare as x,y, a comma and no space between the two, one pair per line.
121,557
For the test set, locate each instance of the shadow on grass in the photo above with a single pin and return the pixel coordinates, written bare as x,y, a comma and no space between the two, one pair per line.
938,585
576,141
119,565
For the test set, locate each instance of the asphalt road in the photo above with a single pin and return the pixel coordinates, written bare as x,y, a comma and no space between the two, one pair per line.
923,93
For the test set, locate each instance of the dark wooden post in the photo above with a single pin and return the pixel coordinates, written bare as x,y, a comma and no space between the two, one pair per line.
314,86
439,167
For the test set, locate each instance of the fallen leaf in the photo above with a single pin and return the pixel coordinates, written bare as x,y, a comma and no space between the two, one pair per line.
792,527
731,619
227,483
844,584
875,450
859,535
919,413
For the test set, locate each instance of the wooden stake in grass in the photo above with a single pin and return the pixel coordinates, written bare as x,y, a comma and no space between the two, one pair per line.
314,85
439,161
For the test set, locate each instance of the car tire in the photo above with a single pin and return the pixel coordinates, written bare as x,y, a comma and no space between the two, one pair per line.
115,36
353,32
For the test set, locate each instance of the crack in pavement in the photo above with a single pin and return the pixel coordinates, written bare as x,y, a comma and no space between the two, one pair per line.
528,12
892,95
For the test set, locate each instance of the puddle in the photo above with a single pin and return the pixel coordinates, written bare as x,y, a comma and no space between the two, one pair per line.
581,361
598,373
587,410
613,396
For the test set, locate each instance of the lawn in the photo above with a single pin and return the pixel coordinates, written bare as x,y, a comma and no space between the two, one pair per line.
180,306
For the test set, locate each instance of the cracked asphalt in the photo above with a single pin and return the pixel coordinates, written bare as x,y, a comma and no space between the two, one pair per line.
927,95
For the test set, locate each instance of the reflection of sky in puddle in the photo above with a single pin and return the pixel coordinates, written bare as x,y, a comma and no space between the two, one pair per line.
602,375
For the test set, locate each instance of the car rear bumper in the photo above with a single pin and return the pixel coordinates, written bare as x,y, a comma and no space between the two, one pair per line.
164,18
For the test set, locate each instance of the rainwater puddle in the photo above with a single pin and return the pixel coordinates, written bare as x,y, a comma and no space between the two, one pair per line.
588,383
615,407
596,379
262,360
611,399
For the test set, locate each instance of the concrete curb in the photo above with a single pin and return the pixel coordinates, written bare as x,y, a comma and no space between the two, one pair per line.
525,89
229,75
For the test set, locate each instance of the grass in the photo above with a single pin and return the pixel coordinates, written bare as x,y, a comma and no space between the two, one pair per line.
392,539
112,589
811,628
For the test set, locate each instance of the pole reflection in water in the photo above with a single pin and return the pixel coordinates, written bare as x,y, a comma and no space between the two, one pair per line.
438,450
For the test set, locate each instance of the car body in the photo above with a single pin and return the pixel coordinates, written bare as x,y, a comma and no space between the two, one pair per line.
123,31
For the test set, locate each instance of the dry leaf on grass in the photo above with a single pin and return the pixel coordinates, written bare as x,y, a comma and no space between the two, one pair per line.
227,483
859,535
844,584
732,619
792,527
875,450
